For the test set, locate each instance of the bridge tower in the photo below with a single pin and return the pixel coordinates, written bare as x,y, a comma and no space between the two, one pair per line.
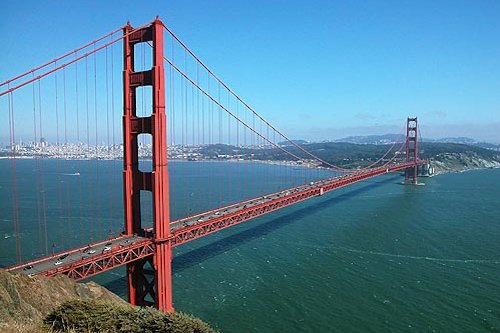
149,279
411,150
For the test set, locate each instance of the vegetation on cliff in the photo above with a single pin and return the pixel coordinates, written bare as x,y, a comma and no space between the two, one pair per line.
100,316
452,157
445,157
40,304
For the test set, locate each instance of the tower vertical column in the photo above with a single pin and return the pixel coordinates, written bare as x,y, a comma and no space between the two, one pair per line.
411,150
161,209
150,279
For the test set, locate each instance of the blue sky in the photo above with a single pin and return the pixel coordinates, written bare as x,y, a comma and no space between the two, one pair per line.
317,70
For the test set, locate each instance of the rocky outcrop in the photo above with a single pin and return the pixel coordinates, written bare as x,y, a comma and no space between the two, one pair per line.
25,301
41,304
462,161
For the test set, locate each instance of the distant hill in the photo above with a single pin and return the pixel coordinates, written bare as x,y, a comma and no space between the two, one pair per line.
391,138
373,139
466,141
286,143
459,139
446,156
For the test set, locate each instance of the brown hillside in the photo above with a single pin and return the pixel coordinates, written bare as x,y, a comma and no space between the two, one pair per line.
27,300
26,303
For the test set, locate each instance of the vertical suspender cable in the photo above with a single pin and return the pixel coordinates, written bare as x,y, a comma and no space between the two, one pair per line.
68,192
219,141
115,161
37,175
89,152
229,149
97,152
183,142
42,164
173,117
15,195
108,152
58,166
80,146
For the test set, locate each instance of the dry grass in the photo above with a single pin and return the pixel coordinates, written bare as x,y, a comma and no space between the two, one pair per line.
22,328
66,306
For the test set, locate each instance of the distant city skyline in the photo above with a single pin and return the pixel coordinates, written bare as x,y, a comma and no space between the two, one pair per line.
348,133
318,71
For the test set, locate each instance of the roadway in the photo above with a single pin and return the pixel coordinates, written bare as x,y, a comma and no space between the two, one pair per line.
94,258
234,208
87,252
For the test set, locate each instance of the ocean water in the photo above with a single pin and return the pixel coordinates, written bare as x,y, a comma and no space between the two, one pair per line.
374,257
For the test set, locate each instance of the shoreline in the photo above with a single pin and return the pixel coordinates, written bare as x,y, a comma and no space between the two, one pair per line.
446,172
440,167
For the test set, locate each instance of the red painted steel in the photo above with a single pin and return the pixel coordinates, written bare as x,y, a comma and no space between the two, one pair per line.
142,291
161,211
67,252
149,256
144,249
104,262
55,60
61,66
411,150
189,233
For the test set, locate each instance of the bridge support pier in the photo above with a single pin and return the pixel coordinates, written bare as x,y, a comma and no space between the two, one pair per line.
149,279
411,150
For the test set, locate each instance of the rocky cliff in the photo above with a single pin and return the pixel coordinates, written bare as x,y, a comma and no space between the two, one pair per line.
462,161
40,304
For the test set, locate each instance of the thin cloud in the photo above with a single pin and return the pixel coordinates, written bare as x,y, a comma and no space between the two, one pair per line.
365,116
437,114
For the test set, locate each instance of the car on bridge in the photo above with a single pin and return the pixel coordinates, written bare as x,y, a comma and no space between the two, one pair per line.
89,250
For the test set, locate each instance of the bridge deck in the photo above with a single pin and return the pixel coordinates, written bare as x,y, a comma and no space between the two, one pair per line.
91,259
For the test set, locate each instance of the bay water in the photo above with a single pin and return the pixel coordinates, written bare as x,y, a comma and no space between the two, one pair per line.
377,256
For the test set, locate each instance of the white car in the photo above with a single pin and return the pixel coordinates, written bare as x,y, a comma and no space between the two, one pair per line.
57,263
89,250
106,248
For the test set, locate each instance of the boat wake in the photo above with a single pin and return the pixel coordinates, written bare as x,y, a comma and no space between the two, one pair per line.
403,256
71,174
449,260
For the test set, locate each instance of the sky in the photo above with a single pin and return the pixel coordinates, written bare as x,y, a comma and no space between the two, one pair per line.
317,70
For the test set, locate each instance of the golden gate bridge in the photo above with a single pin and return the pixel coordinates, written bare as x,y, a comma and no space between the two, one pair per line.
173,107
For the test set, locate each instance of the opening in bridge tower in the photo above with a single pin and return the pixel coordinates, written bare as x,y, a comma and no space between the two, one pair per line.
411,150
149,279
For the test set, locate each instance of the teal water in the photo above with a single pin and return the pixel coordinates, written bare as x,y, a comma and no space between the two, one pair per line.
374,257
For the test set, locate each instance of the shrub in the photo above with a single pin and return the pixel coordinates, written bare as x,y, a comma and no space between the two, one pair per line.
99,316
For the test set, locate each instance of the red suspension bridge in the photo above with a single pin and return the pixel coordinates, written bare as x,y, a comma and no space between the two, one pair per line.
64,111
